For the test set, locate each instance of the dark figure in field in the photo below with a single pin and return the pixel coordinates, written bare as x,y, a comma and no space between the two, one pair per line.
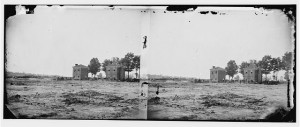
142,88
145,41
157,91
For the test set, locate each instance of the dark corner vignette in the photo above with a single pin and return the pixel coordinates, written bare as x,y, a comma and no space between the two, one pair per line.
10,10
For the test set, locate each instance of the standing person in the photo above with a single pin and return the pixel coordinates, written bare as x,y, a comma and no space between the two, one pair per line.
157,91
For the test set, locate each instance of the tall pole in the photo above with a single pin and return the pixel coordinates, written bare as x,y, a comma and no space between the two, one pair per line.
288,94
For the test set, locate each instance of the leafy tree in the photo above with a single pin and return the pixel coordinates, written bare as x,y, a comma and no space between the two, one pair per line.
105,63
286,75
287,60
276,66
127,61
136,63
231,68
265,65
242,66
94,66
115,60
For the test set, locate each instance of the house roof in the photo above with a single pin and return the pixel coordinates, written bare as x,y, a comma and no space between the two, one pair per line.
252,66
114,64
80,66
217,68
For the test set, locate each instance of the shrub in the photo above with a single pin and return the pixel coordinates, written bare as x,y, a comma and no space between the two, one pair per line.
271,82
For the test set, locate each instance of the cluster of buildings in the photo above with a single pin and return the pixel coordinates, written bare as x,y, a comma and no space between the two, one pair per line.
113,71
252,74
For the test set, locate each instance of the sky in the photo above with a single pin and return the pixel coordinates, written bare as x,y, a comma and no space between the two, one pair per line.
53,39
189,44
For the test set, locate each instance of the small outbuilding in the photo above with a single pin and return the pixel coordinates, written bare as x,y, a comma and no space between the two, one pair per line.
252,74
80,72
217,74
115,71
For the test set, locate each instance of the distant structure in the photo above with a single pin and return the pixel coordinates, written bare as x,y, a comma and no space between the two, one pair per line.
80,72
217,74
115,71
252,74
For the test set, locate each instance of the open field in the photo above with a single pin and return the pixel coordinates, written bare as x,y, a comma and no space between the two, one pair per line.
72,99
213,101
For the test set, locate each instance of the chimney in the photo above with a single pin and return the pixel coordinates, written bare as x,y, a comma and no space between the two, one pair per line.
213,67
76,64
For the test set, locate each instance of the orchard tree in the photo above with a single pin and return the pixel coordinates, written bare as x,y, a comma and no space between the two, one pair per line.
265,65
94,66
136,63
231,68
105,63
127,61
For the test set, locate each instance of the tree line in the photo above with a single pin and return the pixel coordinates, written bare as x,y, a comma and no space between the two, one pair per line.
130,62
267,64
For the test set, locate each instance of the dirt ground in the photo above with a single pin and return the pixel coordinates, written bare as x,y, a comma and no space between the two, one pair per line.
73,99
213,101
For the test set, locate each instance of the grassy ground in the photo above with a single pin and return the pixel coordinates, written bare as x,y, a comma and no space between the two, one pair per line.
71,99
213,101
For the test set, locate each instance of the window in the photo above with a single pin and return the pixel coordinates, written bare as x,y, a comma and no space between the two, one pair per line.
251,72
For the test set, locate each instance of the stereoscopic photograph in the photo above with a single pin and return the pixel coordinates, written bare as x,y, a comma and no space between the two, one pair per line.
129,62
